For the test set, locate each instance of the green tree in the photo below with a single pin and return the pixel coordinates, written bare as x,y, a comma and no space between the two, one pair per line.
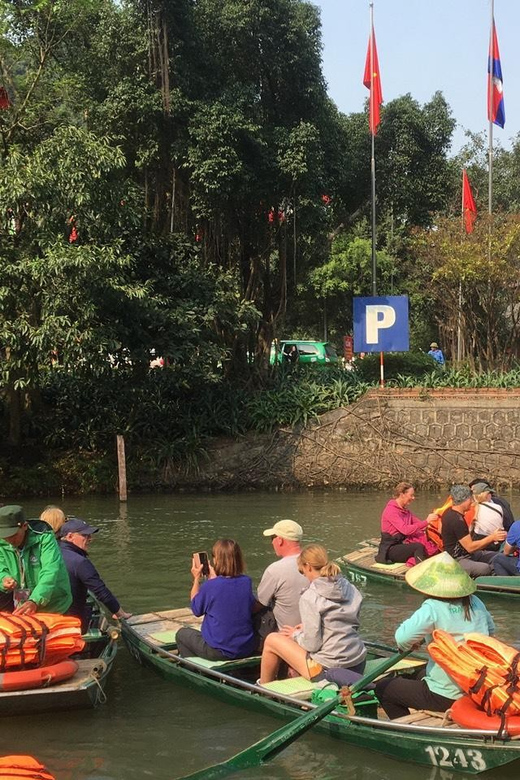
474,283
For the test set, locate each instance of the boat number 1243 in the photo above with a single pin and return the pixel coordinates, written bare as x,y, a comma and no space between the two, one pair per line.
456,757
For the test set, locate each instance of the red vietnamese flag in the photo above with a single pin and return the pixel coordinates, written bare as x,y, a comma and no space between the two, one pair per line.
469,210
372,81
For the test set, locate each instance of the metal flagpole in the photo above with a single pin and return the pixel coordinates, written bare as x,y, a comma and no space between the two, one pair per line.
459,312
373,156
373,180
490,113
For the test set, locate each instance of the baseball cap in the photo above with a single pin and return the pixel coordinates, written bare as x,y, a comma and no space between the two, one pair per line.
481,487
11,520
286,529
76,526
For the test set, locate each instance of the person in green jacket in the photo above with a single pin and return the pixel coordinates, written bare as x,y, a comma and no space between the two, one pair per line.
31,565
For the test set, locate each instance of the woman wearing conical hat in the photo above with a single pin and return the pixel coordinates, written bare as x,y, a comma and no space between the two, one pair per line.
450,606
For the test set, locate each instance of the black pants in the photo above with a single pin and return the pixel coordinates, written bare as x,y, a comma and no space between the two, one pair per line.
397,694
399,553
191,643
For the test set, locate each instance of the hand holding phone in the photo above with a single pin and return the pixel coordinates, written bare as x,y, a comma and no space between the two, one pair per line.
201,559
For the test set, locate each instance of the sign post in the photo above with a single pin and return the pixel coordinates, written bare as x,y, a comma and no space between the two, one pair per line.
348,348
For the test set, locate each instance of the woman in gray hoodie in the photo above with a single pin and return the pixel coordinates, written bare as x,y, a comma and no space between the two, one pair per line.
328,634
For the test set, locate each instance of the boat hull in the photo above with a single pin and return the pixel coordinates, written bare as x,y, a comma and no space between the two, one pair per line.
360,567
84,690
452,749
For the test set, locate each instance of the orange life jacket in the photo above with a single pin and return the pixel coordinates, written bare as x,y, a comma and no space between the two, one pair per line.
23,766
434,528
42,639
482,666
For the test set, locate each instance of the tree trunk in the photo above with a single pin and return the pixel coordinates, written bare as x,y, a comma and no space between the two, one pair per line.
14,410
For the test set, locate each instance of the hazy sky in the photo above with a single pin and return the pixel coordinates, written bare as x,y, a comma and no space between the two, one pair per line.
425,46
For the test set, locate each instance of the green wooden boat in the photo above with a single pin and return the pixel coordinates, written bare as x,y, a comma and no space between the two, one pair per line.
422,737
360,566
84,690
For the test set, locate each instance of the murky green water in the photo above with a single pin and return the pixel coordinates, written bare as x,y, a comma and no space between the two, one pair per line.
152,728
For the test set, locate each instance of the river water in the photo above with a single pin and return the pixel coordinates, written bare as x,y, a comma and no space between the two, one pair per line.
150,727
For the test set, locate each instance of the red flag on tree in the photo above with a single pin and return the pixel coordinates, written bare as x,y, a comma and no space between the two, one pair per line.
469,209
4,98
372,81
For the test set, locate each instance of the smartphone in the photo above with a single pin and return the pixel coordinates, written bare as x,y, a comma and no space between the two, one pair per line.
202,558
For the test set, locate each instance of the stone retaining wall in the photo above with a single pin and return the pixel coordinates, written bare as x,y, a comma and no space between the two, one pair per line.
431,438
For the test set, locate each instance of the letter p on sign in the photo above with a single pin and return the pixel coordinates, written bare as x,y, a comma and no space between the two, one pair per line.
381,324
378,317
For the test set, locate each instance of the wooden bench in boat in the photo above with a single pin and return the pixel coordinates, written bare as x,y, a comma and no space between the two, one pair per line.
365,556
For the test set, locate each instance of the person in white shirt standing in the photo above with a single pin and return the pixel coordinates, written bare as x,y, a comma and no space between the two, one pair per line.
282,584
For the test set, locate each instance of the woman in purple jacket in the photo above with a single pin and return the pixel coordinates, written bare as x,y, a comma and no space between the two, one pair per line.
403,533
226,600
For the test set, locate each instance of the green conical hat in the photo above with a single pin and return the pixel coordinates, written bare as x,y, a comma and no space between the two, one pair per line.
442,577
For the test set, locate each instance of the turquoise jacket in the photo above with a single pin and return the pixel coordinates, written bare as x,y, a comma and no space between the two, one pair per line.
448,615
39,566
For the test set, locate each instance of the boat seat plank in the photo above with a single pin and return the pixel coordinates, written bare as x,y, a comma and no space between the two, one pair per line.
433,721
178,614
394,568
147,629
405,664
169,637
358,555
298,687
414,717
235,663
148,617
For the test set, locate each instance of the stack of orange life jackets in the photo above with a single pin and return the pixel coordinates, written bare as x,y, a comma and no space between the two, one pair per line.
37,640
482,666
23,766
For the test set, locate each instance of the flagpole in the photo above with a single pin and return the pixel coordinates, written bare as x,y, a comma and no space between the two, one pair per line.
373,156
373,181
459,312
490,111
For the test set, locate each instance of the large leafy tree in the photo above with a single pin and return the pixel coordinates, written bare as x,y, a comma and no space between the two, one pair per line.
474,284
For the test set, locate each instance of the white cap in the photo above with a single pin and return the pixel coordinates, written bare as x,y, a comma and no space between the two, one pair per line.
286,529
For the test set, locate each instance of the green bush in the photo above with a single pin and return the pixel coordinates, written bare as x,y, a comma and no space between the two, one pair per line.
409,364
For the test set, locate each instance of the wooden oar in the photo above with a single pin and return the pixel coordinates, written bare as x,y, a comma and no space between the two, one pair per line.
274,743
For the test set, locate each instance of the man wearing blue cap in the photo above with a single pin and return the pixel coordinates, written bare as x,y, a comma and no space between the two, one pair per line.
75,537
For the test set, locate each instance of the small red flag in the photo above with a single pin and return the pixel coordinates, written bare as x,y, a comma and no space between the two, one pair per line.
372,81
4,98
469,209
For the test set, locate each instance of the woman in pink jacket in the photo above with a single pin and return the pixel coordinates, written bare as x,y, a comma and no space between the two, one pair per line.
403,533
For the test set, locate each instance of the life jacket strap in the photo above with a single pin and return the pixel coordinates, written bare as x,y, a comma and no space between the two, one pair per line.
479,682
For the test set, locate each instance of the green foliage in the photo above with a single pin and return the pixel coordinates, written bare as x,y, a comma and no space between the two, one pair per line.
412,365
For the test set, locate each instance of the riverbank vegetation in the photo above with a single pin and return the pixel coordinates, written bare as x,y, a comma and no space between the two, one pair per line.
176,182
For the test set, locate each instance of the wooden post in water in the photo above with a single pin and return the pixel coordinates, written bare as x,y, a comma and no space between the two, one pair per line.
121,467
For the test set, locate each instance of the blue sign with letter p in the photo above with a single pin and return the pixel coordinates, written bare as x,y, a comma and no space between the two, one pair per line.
381,324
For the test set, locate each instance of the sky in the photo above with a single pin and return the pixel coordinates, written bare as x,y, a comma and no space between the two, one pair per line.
425,46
